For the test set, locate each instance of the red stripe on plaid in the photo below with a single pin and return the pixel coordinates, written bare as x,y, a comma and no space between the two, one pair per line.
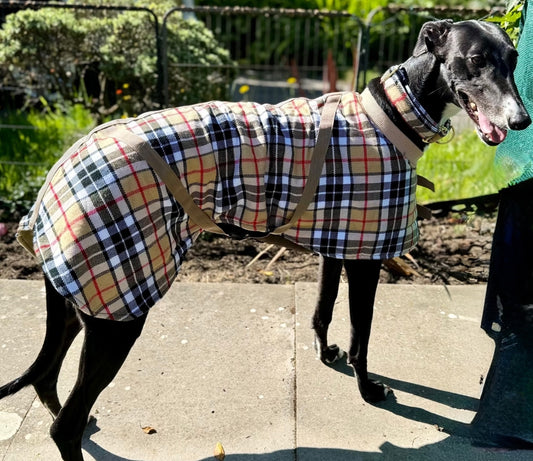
302,162
252,223
292,162
257,180
141,190
365,158
96,211
82,251
202,171
354,220
130,277
399,99
200,160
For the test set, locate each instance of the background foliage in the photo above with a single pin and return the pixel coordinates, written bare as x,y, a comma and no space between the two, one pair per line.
71,56
26,154
358,7
69,77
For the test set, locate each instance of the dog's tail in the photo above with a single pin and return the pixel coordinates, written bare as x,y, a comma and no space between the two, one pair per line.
62,326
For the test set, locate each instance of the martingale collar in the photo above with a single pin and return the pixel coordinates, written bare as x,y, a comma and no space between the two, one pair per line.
396,86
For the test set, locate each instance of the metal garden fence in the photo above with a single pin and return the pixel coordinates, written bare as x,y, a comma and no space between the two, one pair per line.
279,53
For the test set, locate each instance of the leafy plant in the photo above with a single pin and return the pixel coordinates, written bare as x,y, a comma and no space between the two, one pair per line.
90,57
199,69
510,21
460,169
28,152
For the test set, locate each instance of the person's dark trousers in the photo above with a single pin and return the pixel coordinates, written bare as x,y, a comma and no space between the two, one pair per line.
505,414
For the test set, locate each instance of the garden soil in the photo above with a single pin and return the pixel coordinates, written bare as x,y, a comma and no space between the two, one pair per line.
454,249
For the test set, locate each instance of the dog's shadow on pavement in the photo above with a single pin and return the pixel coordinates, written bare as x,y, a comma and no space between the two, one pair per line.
95,450
445,449
451,399
457,443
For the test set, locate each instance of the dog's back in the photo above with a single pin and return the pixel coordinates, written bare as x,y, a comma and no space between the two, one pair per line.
112,238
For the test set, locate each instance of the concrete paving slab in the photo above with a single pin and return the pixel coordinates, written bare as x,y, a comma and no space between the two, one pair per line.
214,363
427,345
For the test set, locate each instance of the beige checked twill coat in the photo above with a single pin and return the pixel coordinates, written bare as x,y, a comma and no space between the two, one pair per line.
111,237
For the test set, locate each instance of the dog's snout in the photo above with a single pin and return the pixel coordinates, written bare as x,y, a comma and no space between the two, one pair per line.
519,121
515,112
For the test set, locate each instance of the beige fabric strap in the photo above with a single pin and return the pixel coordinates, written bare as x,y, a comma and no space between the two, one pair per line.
183,197
281,241
177,189
317,162
167,175
409,149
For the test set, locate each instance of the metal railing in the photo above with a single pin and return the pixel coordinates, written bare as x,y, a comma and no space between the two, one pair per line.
278,53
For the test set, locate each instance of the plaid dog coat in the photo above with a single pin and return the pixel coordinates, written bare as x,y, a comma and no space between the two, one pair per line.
111,238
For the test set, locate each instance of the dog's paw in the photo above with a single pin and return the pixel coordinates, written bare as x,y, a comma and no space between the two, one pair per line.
333,354
330,354
374,391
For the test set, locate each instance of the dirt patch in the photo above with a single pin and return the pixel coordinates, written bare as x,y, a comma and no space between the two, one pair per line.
453,250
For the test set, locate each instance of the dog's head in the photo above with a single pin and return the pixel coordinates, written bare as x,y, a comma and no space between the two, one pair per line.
477,60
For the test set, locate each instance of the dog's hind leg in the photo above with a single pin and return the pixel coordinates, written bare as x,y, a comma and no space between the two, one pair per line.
363,278
62,326
328,287
106,346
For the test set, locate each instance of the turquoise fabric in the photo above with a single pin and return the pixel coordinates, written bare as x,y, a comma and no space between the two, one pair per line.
514,157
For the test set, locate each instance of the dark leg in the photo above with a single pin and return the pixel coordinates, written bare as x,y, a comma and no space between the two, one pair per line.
328,287
46,385
363,278
106,346
505,415
62,326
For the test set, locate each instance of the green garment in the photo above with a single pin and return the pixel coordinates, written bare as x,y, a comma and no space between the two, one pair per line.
514,157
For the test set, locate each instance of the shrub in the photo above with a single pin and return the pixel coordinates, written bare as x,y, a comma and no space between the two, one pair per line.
107,61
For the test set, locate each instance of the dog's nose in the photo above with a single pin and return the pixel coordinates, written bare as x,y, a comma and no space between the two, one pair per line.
519,121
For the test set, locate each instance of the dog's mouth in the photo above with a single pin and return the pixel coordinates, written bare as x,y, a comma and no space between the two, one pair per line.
488,132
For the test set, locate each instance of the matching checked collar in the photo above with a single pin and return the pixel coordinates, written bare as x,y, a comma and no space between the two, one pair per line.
395,84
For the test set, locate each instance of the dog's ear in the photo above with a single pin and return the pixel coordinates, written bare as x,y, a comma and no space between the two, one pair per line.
433,36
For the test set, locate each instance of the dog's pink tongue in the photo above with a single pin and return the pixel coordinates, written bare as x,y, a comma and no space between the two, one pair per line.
491,131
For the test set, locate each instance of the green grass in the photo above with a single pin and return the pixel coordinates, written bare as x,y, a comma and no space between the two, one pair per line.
460,169
30,143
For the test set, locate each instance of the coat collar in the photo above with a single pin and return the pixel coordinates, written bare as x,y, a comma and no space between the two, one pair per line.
396,86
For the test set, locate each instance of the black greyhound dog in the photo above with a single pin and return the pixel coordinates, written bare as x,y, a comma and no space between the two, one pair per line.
467,65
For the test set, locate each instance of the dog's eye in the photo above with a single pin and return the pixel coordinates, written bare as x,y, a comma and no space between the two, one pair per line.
478,60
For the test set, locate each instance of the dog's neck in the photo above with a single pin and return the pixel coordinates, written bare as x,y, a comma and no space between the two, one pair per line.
416,98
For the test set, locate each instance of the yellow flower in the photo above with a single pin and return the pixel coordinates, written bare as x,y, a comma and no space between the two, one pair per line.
127,97
244,89
126,86
291,80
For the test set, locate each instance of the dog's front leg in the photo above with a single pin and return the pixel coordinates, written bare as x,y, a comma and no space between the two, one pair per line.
328,287
363,278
